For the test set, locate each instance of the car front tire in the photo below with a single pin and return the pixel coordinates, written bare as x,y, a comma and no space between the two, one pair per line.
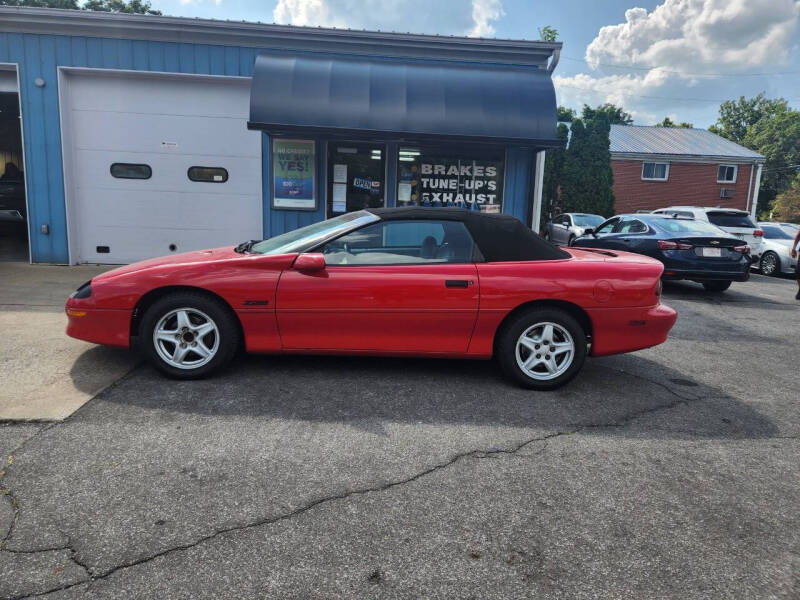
716,286
541,348
770,264
189,335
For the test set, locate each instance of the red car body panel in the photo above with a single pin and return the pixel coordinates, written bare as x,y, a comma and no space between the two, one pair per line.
403,308
391,310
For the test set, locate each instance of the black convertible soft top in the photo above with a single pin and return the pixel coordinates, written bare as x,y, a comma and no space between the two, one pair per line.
500,237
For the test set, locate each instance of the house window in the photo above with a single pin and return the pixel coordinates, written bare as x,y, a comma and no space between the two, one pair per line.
208,174
131,171
451,176
653,171
726,174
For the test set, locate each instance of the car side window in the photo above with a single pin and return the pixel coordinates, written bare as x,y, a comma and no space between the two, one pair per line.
630,226
566,221
607,227
402,243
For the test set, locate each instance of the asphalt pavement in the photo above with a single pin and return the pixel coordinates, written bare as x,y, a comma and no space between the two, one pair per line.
670,472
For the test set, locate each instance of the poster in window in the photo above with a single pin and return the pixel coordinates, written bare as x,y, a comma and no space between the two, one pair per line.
437,178
293,174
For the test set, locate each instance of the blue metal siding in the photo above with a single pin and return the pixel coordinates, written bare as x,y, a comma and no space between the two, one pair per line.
39,56
516,195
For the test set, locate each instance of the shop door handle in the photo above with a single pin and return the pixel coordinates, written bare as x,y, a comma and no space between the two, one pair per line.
457,283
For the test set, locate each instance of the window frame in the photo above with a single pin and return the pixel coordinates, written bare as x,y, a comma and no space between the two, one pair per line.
727,166
149,170
476,257
653,162
189,176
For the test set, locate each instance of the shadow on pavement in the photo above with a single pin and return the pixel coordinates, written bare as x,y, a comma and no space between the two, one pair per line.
371,392
100,366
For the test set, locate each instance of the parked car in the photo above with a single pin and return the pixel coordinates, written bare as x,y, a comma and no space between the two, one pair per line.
437,282
566,227
735,222
776,255
688,248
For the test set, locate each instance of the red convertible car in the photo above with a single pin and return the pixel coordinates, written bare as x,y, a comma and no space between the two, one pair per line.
438,282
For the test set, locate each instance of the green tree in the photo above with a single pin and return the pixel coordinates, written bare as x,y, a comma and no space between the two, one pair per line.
737,116
553,165
565,115
141,7
667,122
548,34
787,204
614,115
777,137
586,178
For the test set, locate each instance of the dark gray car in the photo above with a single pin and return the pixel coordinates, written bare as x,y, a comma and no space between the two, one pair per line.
567,226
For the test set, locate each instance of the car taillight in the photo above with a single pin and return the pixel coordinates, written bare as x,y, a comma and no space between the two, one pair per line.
743,249
669,245
758,233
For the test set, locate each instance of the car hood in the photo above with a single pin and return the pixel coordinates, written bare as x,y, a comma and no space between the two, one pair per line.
176,260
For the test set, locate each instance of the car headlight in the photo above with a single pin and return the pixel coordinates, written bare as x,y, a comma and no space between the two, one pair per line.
82,292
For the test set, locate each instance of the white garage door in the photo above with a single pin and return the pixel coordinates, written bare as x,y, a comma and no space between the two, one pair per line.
158,128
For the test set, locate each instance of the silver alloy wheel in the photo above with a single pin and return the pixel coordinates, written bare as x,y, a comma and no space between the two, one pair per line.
769,263
186,338
545,350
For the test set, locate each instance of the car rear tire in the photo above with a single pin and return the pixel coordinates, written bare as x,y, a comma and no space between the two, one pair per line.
189,335
770,264
541,348
716,286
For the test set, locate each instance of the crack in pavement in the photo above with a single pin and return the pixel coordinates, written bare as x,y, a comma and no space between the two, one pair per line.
474,454
9,493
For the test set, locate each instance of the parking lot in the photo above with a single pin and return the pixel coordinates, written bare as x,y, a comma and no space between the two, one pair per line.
670,472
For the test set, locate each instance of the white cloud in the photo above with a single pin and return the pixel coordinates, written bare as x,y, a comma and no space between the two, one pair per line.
691,41
456,17
484,12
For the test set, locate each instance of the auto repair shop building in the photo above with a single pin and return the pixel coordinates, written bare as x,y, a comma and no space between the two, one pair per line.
144,135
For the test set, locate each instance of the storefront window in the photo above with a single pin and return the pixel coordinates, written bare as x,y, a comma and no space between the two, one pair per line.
356,177
433,176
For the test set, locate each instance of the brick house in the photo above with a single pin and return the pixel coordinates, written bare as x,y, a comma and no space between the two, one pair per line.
656,167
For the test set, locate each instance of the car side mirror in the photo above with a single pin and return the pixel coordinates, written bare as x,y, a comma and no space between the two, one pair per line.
310,262
588,231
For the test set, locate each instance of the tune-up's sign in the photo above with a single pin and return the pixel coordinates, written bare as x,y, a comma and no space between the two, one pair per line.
460,182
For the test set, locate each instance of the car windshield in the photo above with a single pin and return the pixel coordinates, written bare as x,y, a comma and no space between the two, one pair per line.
305,237
729,219
773,232
687,226
587,220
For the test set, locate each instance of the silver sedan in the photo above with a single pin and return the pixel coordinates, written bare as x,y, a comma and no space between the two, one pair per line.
564,228
776,254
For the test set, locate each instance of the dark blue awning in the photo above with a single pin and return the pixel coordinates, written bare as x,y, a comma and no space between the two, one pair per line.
411,99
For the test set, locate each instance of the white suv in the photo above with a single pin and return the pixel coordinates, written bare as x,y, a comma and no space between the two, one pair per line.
735,222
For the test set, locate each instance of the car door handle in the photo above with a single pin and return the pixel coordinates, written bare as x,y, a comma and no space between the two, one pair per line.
457,283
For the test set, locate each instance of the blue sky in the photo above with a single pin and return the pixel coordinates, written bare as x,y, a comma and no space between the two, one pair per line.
676,58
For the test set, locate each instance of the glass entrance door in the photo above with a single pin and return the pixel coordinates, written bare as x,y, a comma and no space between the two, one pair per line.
356,177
